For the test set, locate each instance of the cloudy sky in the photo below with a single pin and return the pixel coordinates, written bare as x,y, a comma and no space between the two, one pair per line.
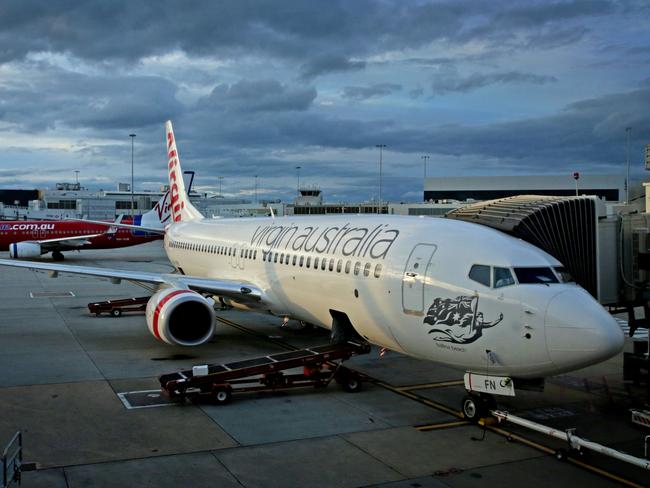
260,87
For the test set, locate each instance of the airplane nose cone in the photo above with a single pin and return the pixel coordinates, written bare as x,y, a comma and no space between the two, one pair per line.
579,332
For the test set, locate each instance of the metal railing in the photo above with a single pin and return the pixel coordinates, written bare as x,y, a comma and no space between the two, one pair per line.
12,460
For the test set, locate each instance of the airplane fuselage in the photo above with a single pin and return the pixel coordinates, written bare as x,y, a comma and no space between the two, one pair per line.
15,231
414,285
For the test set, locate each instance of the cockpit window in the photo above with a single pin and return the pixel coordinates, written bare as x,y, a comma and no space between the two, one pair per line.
563,273
480,273
535,275
503,277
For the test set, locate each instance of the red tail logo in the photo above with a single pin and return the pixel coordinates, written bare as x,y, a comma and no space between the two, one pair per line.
176,205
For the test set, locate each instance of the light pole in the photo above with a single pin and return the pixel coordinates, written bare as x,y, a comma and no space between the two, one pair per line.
381,149
298,184
220,180
627,175
132,136
256,201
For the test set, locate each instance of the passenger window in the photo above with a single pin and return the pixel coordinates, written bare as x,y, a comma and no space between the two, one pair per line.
366,269
255,254
294,260
357,268
348,264
316,262
275,258
502,277
302,260
481,274
378,271
331,266
282,258
308,261
323,264
339,265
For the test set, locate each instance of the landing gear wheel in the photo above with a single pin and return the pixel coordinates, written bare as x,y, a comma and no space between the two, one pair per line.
222,395
471,407
561,455
475,407
116,312
57,256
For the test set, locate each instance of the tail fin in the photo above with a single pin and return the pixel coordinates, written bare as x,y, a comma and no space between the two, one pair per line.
181,208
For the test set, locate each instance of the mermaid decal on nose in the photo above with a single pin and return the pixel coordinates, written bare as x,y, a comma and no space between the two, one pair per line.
457,320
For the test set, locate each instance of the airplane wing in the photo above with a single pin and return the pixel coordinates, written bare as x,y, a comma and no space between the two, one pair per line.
72,242
238,290
156,230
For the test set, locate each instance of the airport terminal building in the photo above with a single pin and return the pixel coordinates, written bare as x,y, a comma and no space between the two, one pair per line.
462,188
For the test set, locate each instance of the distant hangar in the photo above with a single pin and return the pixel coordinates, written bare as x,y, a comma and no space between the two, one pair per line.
609,187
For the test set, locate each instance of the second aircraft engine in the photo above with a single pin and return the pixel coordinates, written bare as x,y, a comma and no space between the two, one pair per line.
179,316
24,250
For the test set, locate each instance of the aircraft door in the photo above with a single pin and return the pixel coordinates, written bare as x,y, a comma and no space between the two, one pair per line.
414,278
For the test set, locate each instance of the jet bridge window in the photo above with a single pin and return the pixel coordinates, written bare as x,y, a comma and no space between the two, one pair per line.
502,277
529,276
481,274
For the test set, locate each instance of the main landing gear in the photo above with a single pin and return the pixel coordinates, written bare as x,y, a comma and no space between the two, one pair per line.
57,255
476,406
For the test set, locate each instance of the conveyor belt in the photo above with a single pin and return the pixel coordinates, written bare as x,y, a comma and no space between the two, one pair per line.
564,227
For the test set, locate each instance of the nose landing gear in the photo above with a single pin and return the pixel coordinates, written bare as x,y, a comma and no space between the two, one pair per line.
477,406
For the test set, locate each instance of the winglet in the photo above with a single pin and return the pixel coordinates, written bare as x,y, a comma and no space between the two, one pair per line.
181,208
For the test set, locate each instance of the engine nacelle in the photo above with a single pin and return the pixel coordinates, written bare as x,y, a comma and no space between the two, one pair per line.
24,250
180,317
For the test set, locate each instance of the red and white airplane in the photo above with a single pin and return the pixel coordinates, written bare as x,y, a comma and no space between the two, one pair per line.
459,294
33,238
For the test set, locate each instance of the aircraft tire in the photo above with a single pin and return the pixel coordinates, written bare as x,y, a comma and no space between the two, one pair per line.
471,407
116,312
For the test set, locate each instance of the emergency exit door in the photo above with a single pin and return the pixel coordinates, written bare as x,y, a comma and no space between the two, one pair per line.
414,279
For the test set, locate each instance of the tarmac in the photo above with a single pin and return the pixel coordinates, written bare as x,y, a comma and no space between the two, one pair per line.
83,391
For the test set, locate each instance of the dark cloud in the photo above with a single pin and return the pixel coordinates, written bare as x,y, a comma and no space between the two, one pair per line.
259,96
448,84
324,37
329,64
360,93
60,98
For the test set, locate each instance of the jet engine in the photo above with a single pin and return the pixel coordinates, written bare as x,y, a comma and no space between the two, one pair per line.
179,316
25,250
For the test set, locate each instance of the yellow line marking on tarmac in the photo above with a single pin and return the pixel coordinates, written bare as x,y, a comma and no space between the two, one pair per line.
425,386
444,425
406,392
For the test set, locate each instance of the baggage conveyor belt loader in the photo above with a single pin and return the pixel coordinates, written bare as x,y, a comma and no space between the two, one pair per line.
219,381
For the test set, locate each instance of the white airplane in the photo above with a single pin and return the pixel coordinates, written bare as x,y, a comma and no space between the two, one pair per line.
459,294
